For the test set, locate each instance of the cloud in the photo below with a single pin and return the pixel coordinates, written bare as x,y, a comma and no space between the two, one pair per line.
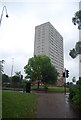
73,66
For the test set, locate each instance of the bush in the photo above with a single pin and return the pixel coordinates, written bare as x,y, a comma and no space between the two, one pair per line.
77,101
75,95
73,90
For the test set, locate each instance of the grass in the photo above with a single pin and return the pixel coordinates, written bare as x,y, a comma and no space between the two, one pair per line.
53,88
18,105
0,104
22,105
36,86
57,89
0,93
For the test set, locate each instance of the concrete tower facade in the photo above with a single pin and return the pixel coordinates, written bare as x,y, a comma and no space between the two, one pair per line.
48,41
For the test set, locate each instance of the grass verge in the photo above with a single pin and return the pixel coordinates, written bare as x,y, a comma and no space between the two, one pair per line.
57,89
0,104
18,105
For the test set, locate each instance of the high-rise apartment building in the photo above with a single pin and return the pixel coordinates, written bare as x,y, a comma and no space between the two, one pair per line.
48,41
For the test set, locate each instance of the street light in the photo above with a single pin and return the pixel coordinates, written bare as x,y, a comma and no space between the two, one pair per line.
4,8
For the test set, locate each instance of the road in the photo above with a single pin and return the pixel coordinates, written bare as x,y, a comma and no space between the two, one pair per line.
55,105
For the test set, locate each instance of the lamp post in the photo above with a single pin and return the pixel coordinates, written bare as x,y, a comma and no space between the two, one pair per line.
4,8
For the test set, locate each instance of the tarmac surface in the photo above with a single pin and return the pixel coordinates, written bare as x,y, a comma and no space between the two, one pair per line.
55,105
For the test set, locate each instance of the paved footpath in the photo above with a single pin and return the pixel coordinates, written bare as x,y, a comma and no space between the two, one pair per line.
55,105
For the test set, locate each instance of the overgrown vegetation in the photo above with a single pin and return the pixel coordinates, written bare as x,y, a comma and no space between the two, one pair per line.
75,96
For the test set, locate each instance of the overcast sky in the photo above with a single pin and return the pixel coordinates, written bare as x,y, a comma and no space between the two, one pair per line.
17,32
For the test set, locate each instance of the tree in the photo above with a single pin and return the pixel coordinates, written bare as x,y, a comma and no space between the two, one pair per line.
79,82
49,73
5,79
40,68
16,79
32,69
73,53
73,79
77,19
78,47
77,50
68,83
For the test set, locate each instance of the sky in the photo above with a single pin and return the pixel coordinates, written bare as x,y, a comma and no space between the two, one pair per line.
18,30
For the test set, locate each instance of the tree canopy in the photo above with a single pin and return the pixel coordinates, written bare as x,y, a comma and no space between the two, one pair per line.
73,53
5,78
76,21
40,68
17,79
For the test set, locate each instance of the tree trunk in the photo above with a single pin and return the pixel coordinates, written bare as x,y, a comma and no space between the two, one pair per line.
38,84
